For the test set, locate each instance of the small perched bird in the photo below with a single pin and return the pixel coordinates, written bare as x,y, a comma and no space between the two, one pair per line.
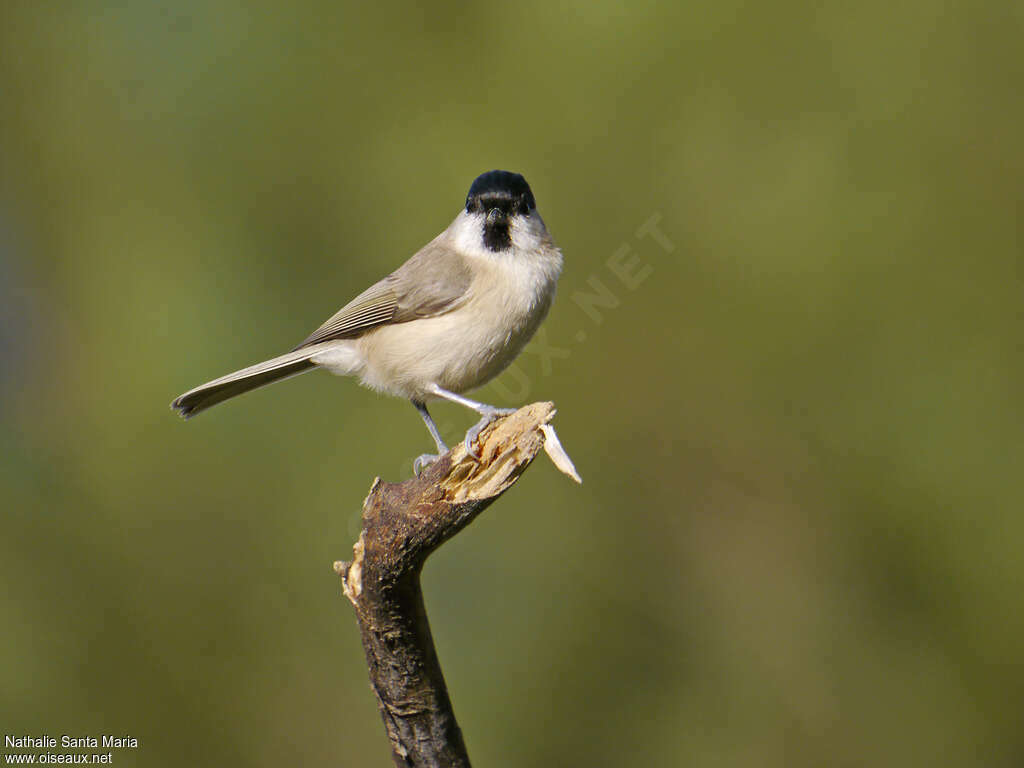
448,320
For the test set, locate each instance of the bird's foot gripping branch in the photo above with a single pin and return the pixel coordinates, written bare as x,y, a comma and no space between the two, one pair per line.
402,524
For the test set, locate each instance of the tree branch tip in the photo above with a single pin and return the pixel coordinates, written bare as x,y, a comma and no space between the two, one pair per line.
402,524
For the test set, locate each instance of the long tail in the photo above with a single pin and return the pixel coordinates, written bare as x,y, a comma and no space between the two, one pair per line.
261,374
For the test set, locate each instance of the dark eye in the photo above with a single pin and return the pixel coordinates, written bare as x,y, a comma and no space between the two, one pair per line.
523,207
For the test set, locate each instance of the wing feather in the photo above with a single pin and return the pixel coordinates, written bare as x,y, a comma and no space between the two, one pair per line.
434,281
374,306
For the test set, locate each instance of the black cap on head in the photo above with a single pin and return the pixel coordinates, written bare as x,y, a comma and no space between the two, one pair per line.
500,189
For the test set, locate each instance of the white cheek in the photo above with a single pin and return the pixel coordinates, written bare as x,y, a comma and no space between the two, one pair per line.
468,234
527,231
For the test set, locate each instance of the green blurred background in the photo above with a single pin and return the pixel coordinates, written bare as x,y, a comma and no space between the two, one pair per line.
799,540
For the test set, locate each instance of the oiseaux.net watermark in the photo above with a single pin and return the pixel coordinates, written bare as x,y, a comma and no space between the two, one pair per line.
24,749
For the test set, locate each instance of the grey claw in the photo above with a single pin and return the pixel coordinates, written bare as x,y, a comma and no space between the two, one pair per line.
471,435
422,461
474,431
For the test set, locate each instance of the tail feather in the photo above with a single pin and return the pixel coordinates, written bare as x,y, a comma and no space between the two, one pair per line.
259,375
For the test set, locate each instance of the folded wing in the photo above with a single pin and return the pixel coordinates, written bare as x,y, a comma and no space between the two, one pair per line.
434,281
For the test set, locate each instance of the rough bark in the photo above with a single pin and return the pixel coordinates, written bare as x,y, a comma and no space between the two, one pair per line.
402,524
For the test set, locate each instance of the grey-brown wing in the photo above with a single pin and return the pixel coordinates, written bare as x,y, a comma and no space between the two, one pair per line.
434,281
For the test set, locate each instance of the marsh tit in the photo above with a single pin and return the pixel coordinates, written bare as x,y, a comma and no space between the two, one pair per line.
448,320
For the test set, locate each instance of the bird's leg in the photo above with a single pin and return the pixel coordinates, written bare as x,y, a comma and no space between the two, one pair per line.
488,412
428,458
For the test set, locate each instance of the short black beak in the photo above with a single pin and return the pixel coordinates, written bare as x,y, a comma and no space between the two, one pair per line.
494,216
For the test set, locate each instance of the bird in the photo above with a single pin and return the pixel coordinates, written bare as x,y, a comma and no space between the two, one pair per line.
445,322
